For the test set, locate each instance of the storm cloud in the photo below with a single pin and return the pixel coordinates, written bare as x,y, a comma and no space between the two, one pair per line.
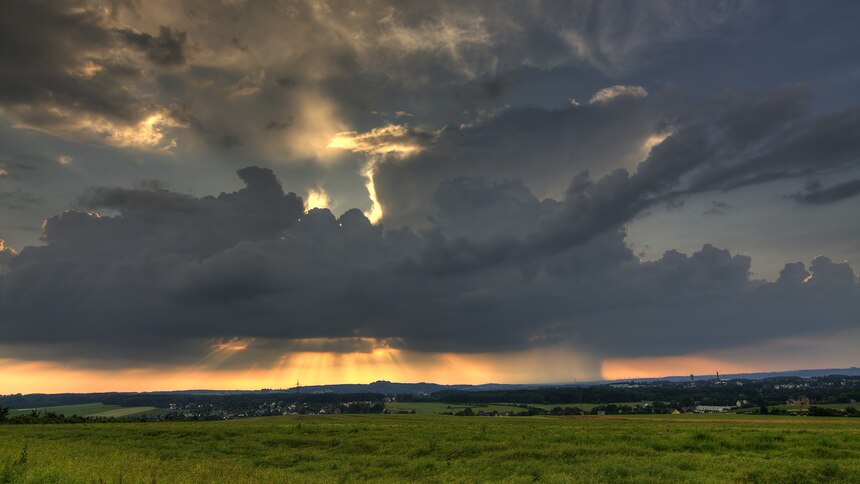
167,277
448,177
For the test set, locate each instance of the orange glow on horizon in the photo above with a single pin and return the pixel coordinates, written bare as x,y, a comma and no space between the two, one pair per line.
656,367
310,367
232,364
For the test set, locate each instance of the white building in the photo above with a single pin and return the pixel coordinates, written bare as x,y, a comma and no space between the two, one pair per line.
711,409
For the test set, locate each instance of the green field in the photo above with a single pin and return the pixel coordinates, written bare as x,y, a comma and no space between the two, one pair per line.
82,410
124,412
400,448
582,406
87,410
802,408
430,408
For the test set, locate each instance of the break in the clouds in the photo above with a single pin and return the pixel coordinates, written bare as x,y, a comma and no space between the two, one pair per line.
466,178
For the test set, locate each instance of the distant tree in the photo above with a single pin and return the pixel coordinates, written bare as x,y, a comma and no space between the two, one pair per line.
763,410
4,412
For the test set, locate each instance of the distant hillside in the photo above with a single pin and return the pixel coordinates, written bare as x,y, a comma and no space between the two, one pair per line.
387,387
378,387
853,371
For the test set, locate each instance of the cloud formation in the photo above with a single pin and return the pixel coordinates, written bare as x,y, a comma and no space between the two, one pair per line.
169,277
67,71
491,208
815,194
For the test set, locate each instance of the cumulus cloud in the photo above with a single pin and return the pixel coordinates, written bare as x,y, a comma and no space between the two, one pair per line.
503,231
67,71
725,143
162,278
545,148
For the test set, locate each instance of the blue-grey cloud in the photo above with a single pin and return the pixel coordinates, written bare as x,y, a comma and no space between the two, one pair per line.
170,275
815,194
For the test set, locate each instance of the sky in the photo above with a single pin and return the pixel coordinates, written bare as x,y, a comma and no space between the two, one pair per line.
237,194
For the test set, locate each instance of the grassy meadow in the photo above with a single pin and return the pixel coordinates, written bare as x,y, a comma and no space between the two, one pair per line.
431,408
434,448
89,410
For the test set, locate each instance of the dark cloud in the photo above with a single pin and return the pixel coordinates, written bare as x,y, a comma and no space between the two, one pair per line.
727,143
285,82
229,141
543,147
167,49
169,277
487,89
815,144
239,45
277,125
64,70
816,194
504,226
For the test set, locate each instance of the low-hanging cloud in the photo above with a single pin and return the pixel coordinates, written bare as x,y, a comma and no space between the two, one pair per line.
169,277
502,231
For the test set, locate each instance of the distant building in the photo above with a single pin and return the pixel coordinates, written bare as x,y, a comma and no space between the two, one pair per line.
711,409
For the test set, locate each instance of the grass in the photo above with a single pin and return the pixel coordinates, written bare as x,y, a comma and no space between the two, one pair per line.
124,412
90,410
582,406
434,448
82,410
802,408
429,408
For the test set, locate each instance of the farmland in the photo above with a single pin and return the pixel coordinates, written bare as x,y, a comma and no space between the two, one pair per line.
355,448
429,408
88,410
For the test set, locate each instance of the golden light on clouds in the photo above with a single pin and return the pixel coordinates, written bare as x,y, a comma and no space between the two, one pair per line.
390,139
317,198
233,344
3,247
149,133
610,93
652,141
310,367
313,127
374,214
397,140
87,69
